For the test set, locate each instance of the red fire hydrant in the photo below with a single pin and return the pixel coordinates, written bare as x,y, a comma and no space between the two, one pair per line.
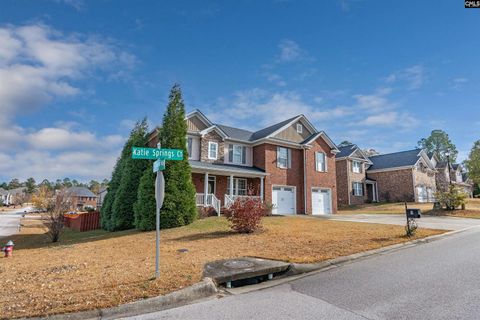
8,249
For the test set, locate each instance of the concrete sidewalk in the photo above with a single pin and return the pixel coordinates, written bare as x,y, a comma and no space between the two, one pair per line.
443,222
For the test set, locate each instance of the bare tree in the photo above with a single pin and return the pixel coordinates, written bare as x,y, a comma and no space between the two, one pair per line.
53,219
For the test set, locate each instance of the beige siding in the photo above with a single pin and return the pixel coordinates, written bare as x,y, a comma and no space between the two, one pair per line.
291,133
194,124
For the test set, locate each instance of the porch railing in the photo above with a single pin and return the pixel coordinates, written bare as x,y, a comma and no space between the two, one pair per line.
229,200
211,201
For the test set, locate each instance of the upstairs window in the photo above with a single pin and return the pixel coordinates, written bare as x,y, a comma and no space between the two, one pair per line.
299,128
320,162
237,154
212,150
356,166
189,147
357,189
284,156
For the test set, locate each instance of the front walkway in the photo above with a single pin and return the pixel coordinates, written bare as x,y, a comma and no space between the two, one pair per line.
442,222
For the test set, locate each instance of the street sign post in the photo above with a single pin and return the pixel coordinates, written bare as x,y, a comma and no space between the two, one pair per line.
154,154
159,165
160,155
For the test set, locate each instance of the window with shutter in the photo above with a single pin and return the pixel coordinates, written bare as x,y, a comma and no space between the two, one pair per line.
230,153
283,157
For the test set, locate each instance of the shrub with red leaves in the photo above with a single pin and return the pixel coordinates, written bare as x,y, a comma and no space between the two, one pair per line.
245,214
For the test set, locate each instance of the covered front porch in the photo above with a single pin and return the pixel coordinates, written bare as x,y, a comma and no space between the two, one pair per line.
219,185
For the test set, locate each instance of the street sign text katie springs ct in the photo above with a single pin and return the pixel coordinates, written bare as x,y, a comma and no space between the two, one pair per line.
153,153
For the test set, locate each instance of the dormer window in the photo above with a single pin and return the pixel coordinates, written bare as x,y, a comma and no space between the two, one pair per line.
299,128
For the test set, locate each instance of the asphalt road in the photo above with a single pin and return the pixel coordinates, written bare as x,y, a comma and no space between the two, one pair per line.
440,222
437,280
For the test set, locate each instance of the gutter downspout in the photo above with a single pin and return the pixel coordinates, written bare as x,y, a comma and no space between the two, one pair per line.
304,180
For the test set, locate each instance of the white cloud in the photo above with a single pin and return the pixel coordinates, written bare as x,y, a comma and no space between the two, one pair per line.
376,101
37,65
289,51
414,77
77,4
458,83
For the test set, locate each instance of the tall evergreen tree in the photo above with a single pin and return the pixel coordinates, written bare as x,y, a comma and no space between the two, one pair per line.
439,142
132,171
113,185
145,206
473,163
179,204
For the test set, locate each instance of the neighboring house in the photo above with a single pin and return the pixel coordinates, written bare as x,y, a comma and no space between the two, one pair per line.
102,192
453,175
81,198
12,196
404,176
353,187
289,164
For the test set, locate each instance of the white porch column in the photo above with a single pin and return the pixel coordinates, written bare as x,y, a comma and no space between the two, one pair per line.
261,189
205,189
231,185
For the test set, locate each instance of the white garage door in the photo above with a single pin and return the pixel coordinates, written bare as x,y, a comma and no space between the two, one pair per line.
283,200
321,201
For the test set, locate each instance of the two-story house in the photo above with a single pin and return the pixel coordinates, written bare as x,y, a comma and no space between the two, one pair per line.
404,176
289,164
353,186
452,175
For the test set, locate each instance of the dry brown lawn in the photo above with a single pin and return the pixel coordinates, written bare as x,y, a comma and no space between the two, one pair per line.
472,209
100,269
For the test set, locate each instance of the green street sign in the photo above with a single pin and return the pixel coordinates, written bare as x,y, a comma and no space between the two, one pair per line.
159,165
153,153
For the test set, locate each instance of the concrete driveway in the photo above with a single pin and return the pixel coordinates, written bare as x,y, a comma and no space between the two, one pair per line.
10,222
444,223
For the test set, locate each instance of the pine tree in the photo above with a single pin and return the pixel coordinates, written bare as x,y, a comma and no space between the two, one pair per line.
145,206
132,171
179,204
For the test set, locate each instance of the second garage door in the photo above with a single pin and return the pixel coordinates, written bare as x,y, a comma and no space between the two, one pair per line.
283,200
321,201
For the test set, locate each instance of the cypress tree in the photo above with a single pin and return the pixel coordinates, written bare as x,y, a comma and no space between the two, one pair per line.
179,204
122,216
145,206
106,210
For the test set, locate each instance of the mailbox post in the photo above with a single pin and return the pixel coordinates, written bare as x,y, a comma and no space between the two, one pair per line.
412,214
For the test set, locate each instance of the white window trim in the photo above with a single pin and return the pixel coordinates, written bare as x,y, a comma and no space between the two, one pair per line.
210,143
355,189
288,164
237,146
214,179
235,186
359,166
299,128
191,147
317,167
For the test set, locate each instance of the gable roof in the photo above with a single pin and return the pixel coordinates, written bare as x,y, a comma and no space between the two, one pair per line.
81,192
349,150
394,160
236,133
265,132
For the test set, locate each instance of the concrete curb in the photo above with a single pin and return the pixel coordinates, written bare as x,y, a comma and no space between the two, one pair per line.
301,268
201,290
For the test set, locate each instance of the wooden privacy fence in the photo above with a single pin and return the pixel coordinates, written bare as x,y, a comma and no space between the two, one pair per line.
83,221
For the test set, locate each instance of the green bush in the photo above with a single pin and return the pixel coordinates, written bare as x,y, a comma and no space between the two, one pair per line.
145,206
451,199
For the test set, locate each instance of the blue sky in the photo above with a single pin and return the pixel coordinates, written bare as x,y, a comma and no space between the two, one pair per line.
75,75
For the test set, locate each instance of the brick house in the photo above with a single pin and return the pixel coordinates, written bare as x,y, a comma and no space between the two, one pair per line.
353,186
289,164
404,176
81,198
454,175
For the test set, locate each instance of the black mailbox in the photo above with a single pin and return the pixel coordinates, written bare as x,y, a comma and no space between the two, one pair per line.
414,213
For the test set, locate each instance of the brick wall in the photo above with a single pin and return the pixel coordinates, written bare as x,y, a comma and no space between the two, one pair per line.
394,186
265,157
441,179
342,182
356,177
318,179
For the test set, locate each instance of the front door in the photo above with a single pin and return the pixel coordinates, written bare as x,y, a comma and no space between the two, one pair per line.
283,200
211,184
321,201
